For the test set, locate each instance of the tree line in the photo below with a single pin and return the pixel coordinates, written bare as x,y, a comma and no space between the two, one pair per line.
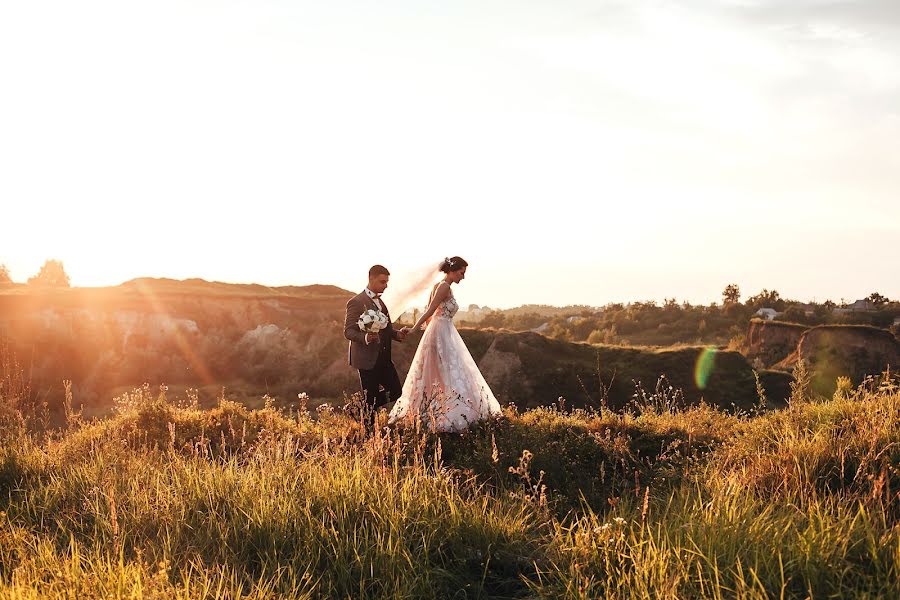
52,274
673,322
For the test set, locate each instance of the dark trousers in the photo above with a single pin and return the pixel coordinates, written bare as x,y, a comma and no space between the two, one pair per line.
381,385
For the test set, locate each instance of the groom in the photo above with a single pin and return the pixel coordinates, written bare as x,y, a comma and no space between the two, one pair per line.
370,353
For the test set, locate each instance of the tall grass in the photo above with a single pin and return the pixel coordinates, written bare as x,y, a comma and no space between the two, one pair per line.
799,503
661,501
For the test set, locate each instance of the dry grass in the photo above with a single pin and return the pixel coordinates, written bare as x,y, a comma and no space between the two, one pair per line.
659,501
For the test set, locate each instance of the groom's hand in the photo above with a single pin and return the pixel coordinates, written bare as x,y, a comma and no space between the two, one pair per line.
371,338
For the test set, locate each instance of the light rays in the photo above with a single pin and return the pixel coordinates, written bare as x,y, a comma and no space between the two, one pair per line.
181,342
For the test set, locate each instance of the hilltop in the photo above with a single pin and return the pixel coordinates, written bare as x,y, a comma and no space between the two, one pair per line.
190,333
257,340
281,341
827,351
166,286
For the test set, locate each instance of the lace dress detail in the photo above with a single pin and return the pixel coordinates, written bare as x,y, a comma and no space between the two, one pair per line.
447,309
444,388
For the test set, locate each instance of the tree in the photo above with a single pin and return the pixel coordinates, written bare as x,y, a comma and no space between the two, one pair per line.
877,299
4,275
824,310
52,274
731,294
495,318
794,314
766,299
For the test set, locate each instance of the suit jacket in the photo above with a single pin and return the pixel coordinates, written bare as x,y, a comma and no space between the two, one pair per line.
362,355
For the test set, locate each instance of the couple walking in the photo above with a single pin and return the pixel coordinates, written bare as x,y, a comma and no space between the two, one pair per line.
444,388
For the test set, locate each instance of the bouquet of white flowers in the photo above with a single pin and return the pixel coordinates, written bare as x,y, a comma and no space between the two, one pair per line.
372,321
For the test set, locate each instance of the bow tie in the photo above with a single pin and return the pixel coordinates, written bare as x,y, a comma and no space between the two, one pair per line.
376,296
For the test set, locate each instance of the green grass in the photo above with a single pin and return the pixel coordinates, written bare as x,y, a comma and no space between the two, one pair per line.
659,501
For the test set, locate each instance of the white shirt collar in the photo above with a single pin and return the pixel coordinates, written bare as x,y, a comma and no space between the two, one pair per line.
370,293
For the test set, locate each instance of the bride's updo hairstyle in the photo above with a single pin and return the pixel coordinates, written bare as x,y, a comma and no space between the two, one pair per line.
452,264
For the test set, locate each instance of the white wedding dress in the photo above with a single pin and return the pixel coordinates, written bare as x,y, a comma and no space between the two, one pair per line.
444,388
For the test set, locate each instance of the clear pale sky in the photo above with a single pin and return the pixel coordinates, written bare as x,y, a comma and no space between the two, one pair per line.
572,152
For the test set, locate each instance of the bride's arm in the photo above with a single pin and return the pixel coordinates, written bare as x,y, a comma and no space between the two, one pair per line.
440,294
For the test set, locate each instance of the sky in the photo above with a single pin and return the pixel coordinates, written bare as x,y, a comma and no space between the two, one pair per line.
573,152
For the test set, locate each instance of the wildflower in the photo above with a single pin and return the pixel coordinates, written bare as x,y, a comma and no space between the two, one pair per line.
602,529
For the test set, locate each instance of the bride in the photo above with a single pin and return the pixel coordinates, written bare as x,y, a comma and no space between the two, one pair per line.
444,387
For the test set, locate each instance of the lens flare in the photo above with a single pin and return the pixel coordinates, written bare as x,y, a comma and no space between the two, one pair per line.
704,367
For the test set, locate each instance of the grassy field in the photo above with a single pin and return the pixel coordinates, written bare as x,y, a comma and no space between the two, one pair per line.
165,500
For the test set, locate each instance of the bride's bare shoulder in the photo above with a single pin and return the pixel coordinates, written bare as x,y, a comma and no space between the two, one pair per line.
441,288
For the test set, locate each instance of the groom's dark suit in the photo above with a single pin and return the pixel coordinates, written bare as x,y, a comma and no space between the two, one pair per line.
377,374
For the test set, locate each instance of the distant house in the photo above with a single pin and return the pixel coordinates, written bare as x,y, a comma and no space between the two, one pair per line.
858,306
862,305
766,313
